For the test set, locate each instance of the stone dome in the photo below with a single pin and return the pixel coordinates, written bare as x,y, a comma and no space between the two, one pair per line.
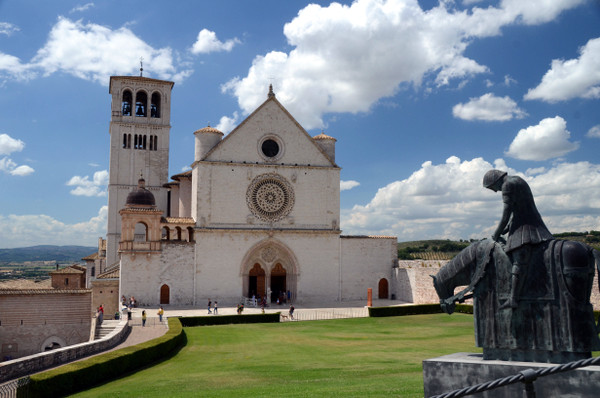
208,129
323,136
140,196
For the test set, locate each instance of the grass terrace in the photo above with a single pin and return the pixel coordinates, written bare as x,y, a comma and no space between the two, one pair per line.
360,357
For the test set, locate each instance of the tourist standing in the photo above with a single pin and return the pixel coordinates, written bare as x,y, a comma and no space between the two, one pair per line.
209,304
216,308
160,313
143,318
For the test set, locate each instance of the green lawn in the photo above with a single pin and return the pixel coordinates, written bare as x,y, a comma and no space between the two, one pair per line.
374,357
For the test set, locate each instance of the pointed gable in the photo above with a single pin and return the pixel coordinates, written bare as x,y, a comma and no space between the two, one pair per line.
270,135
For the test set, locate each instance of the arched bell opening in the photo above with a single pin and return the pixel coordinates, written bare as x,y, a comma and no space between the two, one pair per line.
155,105
141,101
126,102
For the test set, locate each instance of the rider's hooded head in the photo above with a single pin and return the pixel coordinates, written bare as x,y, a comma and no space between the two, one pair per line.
492,178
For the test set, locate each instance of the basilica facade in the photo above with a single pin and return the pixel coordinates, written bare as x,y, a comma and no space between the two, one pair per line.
257,214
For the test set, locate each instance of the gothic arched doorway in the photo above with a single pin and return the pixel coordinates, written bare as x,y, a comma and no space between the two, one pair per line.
383,289
278,285
164,294
272,263
256,281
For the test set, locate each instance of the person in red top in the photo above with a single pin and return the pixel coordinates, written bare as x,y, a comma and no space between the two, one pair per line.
100,314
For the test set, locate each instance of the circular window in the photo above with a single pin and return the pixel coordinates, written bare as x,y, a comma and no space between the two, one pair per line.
270,197
270,148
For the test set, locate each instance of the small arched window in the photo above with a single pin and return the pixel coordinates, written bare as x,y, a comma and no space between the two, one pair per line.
178,232
141,102
166,233
126,103
155,105
155,143
190,232
144,143
141,232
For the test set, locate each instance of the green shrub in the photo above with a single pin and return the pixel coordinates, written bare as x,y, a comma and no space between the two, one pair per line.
229,319
78,376
405,310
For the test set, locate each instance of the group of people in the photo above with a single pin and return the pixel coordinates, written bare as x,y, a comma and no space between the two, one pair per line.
215,307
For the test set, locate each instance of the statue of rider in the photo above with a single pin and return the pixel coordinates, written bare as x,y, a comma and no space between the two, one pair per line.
521,220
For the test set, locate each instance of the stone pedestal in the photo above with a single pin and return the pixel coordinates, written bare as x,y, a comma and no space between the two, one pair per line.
451,372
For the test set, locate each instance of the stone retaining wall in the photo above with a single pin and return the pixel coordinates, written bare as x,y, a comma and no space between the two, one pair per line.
34,363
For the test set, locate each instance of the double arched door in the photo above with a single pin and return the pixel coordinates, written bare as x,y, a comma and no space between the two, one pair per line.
269,270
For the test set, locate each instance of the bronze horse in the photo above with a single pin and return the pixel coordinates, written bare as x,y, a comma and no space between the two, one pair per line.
554,320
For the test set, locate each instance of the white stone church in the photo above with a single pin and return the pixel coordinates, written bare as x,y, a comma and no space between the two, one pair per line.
257,214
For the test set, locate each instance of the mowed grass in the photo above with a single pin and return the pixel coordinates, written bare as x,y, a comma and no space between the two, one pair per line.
361,357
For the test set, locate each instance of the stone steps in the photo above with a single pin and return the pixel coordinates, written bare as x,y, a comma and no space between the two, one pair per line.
105,329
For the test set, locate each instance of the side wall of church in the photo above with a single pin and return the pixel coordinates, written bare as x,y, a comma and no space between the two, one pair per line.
142,275
365,261
29,321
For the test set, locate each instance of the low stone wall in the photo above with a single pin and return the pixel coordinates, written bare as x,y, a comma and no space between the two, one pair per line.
414,283
34,363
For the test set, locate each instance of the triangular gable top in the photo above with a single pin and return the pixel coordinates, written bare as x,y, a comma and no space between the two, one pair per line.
324,160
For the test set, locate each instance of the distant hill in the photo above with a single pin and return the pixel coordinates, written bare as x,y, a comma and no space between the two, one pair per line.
438,249
46,253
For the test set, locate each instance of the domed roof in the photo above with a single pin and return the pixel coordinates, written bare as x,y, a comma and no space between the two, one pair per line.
208,129
140,196
323,136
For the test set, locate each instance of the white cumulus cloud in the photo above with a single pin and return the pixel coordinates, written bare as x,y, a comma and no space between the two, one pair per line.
81,8
546,140
488,107
93,52
448,201
207,42
38,229
347,185
573,78
8,29
9,145
346,58
594,132
86,187
227,124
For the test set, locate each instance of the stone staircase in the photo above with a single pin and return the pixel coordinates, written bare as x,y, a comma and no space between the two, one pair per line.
107,327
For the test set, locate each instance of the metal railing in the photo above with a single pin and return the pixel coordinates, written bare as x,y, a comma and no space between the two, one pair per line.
528,376
9,389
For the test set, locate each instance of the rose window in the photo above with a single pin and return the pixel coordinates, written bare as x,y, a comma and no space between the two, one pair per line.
270,197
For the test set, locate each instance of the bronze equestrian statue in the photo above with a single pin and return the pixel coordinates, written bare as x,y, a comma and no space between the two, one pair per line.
531,295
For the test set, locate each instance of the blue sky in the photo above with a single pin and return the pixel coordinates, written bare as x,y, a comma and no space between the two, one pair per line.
423,98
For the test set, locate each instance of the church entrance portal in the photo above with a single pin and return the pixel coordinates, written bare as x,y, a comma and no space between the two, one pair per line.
256,282
278,285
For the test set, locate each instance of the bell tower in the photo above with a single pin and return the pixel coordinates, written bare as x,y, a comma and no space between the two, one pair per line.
139,145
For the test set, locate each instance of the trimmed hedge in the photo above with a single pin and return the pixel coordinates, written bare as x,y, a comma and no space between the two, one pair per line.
405,310
416,310
79,376
229,319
